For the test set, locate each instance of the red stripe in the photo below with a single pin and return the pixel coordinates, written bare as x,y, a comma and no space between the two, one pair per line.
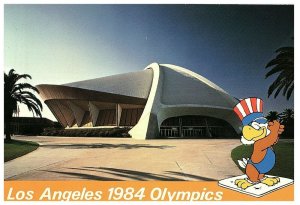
239,114
254,104
261,105
245,107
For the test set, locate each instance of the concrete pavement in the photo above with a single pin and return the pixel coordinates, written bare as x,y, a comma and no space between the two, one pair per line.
80,158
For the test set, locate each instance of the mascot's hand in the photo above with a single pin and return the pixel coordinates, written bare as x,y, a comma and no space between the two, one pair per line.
275,127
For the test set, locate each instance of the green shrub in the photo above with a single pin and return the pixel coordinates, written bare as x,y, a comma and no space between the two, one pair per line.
95,132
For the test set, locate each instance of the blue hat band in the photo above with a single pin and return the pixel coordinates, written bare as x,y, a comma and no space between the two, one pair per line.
249,118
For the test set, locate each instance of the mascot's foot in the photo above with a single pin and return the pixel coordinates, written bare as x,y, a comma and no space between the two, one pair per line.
243,183
270,181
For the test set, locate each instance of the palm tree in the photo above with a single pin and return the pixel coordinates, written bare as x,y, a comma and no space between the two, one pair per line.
15,93
287,119
272,115
287,116
284,65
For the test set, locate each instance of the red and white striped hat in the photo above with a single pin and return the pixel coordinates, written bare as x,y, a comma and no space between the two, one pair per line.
249,109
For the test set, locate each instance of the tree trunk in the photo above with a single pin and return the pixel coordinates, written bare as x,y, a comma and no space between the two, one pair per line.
7,131
7,123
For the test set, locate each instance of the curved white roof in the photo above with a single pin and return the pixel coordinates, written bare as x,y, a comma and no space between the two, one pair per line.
182,86
179,86
134,84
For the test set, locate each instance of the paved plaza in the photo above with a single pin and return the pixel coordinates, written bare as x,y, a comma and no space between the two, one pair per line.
118,159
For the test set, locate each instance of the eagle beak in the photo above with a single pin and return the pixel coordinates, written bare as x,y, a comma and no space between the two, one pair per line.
251,133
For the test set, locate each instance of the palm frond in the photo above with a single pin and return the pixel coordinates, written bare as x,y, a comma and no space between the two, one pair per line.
285,49
283,64
21,86
280,67
276,61
279,88
286,56
29,95
31,105
273,115
11,72
279,80
286,87
289,92
19,77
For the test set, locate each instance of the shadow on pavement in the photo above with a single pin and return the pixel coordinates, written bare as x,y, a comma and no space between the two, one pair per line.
133,175
191,176
105,146
125,174
83,176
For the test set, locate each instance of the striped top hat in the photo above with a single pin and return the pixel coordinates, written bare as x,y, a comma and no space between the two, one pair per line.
250,109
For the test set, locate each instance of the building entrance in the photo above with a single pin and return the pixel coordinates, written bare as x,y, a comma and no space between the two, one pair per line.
191,126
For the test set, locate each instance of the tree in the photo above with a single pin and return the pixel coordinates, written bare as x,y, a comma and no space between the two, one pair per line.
287,116
283,65
272,115
287,119
15,93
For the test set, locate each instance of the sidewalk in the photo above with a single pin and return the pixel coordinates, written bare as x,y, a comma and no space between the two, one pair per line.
69,158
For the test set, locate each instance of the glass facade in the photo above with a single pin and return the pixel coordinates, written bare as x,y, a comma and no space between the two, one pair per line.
194,126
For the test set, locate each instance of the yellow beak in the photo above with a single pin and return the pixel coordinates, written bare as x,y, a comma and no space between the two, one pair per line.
250,133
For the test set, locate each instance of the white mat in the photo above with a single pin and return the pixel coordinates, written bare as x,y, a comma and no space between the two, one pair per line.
257,190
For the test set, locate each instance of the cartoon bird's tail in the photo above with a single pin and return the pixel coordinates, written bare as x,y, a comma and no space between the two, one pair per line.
243,162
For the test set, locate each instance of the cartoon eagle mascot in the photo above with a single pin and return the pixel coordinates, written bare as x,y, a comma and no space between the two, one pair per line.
263,135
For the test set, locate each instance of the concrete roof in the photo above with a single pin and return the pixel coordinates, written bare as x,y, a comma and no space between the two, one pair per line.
182,86
134,84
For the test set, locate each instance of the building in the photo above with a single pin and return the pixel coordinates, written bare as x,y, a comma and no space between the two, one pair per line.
161,101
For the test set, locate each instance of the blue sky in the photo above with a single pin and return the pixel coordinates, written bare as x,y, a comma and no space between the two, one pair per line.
228,44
